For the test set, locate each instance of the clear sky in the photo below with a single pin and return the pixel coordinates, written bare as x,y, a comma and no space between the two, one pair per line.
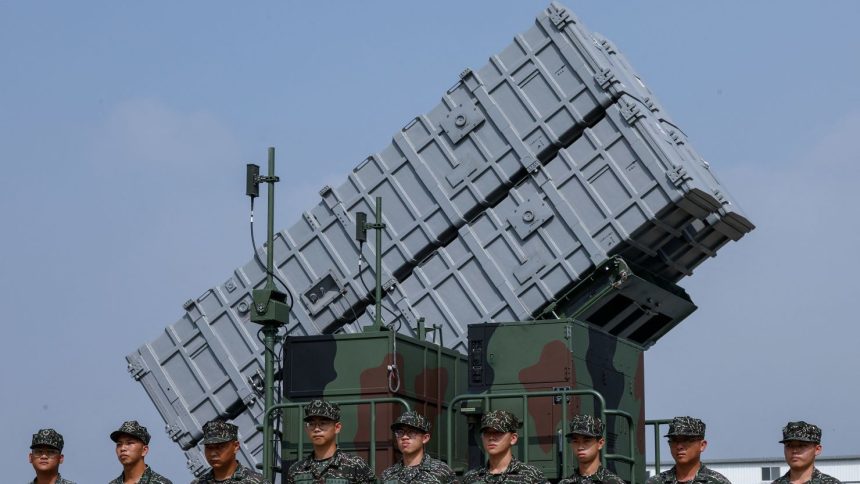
125,128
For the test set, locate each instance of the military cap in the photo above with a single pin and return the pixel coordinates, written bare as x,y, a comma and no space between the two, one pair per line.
322,408
500,420
585,425
47,438
801,431
686,427
412,419
219,431
132,428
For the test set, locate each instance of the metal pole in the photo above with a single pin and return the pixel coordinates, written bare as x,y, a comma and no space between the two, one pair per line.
270,330
379,226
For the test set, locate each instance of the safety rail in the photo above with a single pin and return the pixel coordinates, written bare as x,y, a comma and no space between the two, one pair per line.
657,423
564,394
267,417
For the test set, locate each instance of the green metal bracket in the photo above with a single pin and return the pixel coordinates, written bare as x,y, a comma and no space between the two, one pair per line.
378,226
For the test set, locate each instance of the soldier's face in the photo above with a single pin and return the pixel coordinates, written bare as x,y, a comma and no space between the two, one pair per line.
322,431
129,450
498,443
585,448
221,456
687,450
410,440
45,459
801,455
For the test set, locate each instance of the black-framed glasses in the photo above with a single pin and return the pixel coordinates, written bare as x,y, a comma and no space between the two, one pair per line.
411,433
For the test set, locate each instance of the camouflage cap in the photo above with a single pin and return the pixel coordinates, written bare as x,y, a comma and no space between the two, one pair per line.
801,431
412,419
322,408
500,420
219,431
47,438
686,427
132,428
585,425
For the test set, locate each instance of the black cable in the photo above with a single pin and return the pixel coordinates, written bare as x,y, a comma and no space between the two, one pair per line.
369,292
265,266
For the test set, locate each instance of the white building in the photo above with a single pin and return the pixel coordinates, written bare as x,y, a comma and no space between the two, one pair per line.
765,470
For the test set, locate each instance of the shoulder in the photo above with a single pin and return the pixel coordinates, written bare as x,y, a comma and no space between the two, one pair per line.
826,479
156,478
530,471
712,476
249,476
352,460
298,465
661,477
472,475
569,480
392,470
437,467
64,481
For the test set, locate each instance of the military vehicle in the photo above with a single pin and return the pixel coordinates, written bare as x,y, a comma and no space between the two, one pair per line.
535,225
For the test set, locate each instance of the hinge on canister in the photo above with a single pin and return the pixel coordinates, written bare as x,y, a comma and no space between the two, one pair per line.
605,78
630,112
137,368
677,175
558,15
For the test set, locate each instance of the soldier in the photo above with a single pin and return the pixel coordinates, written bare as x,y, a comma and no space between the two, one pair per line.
132,445
326,461
586,440
220,444
499,434
687,442
412,431
802,444
46,455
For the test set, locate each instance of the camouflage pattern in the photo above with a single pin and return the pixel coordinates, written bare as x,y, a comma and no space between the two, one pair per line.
561,353
704,475
132,428
59,480
322,408
500,421
341,465
48,438
686,427
516,472
586,425
243,475
149,477
429,471
817,478
802,432
412,419
355,366
602,476
219,431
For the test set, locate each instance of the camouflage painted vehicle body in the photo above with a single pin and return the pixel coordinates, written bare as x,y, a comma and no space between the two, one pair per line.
564,354
348,367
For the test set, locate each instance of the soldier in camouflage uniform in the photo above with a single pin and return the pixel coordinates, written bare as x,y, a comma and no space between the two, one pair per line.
46,455
326,461
412,432
132,445
586,440
687,442
499,435
802,442
220,444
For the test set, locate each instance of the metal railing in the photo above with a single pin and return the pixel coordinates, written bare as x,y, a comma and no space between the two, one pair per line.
657,423
267,418
564,394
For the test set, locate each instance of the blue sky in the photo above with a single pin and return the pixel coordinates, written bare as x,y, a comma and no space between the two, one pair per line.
125,127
